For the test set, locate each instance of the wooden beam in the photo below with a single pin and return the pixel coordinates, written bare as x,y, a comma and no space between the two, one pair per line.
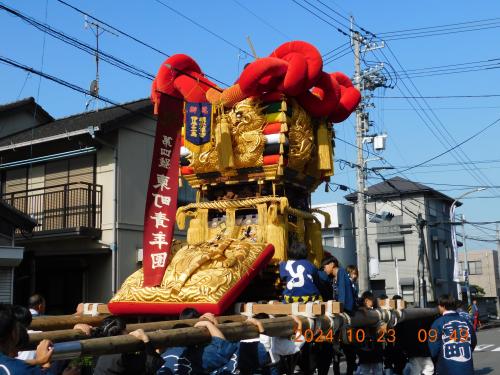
286,308
278,327
50,323
75,334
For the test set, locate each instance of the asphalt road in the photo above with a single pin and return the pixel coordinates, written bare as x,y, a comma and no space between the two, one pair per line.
487,353
486,356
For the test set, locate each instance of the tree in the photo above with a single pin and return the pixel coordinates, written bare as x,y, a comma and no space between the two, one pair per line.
479,290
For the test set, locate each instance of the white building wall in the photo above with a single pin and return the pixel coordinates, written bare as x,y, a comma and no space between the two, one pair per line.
338,237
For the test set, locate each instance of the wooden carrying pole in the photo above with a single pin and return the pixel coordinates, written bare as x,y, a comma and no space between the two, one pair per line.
76,334
280,327
51,323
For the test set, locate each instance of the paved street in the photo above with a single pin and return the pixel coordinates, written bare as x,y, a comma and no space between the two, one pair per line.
486,356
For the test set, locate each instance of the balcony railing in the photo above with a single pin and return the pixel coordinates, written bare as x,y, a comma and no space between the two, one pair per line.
60,207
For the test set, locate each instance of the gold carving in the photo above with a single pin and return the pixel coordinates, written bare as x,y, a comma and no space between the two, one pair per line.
248,140
301,138
197,273
244,123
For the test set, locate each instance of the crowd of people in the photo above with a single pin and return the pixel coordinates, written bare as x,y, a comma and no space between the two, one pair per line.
427,346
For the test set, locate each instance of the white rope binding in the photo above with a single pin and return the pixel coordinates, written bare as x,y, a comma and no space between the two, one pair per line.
306,314
91,311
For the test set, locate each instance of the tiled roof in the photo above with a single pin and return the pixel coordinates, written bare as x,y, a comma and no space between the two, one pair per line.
104,118
397,186
28,104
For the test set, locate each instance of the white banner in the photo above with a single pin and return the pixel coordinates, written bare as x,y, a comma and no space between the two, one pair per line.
456,266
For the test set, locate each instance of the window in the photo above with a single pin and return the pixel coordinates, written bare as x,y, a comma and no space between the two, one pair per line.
449,253
378,286
475,267
435,248
334,238
389,251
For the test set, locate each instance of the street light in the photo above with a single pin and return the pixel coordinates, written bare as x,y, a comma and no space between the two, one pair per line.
455,247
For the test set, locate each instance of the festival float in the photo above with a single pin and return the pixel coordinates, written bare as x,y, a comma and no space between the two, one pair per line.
254,152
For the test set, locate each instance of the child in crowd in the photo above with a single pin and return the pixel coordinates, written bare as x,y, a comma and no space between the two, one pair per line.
300,277
370,350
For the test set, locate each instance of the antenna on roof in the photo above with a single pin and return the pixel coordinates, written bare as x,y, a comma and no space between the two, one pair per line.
249,41
97,29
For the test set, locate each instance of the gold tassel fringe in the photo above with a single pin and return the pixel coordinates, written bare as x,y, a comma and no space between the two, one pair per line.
324,148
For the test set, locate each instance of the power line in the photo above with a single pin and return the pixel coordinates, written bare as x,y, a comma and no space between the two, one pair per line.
71,86
135,39
268,24
443,73
203,27
437,26
46,29
114,28
448,65
452,148
446,138
445,31
338,56
327,22
342,46
475,173
445,108
457,185
439,96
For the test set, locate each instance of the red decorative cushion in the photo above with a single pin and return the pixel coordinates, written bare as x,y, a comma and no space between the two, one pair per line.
272,128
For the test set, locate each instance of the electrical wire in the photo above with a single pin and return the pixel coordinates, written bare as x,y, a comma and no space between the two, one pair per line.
72,86
203,27
447,139
403,31
472,172
439,96
110,59
135,39
268,24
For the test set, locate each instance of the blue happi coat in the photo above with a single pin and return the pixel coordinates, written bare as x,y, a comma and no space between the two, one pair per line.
456,340
219,357
11,366
301,279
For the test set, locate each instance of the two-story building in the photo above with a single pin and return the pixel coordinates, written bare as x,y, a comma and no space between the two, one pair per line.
11,220
339,235
399,239
83,178
483,270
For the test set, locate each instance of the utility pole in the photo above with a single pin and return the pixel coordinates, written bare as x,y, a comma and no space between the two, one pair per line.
362,240
422,284
364,80
467,285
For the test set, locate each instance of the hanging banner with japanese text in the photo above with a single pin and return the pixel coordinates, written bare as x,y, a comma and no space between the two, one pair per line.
198,126
161,199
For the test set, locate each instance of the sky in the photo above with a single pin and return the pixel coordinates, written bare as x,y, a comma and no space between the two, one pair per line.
411,140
